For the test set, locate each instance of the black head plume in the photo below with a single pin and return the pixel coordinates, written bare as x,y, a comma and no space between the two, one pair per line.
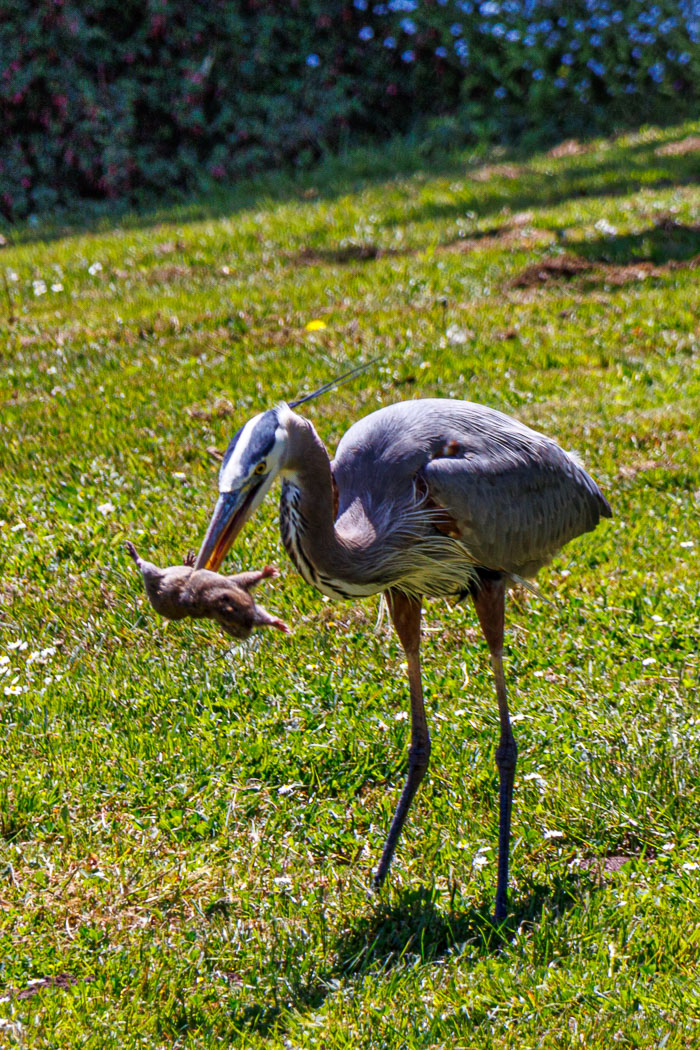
338,381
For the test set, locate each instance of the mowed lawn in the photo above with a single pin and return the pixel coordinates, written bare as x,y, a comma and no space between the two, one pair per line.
187,829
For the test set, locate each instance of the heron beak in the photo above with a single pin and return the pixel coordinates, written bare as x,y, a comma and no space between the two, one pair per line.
231,512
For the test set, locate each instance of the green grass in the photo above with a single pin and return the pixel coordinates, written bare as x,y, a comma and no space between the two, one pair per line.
187,830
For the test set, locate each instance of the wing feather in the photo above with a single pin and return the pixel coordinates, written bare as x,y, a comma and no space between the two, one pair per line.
514,495
515,513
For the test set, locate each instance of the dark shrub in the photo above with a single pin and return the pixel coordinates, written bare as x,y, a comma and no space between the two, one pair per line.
106,99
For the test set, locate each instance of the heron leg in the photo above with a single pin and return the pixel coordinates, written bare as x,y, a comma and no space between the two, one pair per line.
489,601
406,615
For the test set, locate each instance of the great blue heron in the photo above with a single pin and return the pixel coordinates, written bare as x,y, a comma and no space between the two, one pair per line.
424,498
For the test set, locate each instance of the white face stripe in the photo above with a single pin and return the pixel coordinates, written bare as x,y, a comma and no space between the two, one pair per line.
232,471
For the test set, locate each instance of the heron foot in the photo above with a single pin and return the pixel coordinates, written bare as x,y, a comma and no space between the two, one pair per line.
377,881
500,912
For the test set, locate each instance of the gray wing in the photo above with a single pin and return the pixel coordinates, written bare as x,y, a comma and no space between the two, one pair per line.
515,516
514,496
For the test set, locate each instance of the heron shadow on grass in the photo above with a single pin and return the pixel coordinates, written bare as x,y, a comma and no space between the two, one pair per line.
411,928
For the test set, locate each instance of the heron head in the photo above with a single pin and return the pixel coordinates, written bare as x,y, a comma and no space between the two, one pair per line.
251,463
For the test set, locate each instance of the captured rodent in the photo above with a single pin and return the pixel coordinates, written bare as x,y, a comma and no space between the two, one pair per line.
181,591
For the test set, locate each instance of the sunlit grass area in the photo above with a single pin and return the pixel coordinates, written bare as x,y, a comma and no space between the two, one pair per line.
187,829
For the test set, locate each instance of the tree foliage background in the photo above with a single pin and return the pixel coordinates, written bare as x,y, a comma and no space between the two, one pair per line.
117,98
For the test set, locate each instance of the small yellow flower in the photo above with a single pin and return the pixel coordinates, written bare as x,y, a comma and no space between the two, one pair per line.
315,326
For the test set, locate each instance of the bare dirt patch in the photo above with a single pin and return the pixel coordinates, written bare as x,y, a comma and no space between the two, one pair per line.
220,408
605,866
166,274
568,267
691,144
496,171
631,470
344,254
513,234
168,247
518,232
554,269
670,225
41,984
568,148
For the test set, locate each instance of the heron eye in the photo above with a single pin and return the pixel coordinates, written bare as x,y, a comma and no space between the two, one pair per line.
261,468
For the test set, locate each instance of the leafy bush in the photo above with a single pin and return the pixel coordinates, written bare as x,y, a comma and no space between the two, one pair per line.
524,64
104,99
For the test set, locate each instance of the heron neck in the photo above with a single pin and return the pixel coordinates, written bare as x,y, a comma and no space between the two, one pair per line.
308,511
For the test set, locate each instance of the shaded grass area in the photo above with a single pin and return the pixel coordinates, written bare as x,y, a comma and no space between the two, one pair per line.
187,830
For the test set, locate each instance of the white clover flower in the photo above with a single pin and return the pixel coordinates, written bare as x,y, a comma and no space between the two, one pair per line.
39,287
105,509
455,334
57,287
94,268
41,655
